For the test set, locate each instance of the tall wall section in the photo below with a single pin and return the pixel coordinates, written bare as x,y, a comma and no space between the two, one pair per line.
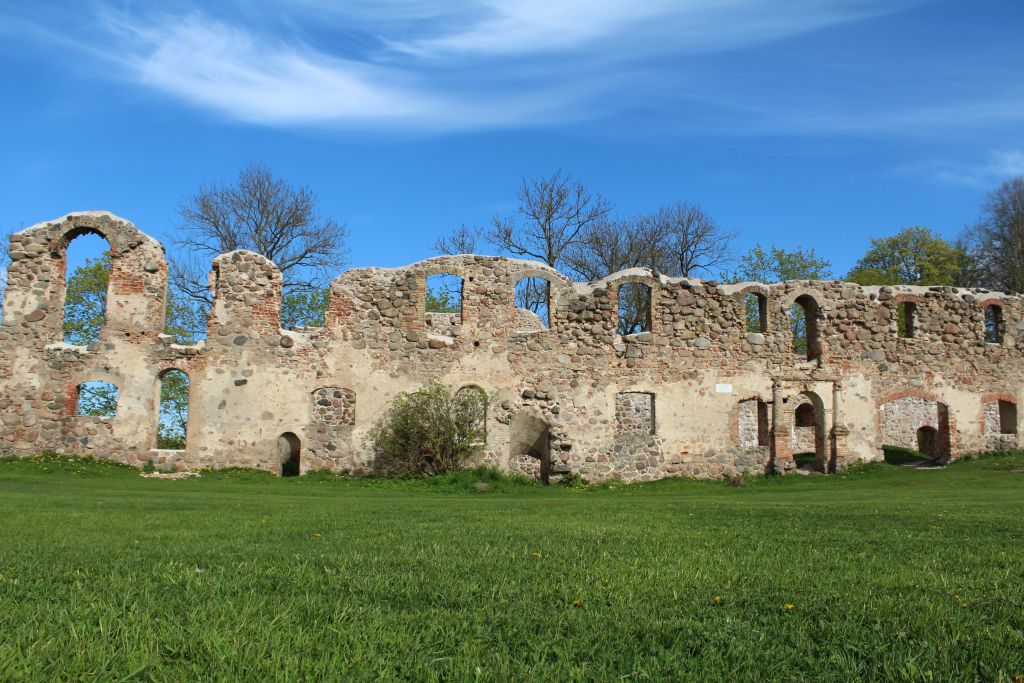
695,393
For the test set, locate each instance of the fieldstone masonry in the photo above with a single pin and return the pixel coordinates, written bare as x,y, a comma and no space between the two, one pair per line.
696,394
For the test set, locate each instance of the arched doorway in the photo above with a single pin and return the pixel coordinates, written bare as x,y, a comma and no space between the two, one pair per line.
289,450
530,445
809,435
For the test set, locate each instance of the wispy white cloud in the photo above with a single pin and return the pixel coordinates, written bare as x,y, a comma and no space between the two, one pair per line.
996,167
427,65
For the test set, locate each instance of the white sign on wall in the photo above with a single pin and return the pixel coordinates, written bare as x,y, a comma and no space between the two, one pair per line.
723,388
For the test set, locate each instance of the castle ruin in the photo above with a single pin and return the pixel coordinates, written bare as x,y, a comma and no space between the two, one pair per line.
696,391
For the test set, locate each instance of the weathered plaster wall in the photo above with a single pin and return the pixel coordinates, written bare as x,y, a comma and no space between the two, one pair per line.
695,395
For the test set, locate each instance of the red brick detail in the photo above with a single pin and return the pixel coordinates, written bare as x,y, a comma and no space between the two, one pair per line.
906,393
71,400
991,397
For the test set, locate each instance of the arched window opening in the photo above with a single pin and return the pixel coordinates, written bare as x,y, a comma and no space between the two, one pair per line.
994,324
1007,417
97,399
86,279
289,450
634,308
533,304
906,320
472,401
804,415
173,412
756,308
803,321
443,303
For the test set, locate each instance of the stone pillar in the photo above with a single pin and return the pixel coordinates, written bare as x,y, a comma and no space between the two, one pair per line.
782,449
838,457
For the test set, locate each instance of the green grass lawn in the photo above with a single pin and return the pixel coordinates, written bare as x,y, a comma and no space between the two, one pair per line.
882,574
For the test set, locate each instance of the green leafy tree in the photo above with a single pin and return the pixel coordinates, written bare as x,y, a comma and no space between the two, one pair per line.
98,399
84,314
430,430
182,320
445,296
85,301
780,265
304,308
913,256
173,410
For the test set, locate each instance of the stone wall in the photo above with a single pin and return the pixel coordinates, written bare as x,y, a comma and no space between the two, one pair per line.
696,394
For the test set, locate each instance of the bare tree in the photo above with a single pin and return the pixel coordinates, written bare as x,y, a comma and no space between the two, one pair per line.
997,239
553,214
617,244
693,241
262,213
461,240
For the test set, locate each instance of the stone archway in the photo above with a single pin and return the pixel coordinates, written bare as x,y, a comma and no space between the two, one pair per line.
289,454
809,433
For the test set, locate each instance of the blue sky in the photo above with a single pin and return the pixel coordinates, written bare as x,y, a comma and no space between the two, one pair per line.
803,124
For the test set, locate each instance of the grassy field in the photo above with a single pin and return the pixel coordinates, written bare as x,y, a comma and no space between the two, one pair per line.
881,574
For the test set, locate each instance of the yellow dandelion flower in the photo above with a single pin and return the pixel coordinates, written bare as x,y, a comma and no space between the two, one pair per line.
718,599
577,603
536,556
790,605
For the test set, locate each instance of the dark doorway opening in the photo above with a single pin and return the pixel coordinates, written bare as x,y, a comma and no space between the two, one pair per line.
289,449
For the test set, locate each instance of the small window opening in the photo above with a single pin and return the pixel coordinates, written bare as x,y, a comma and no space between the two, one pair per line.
994,324
173,413
756,307
906,320
289,450
1007,417
86,278
443,304
97,399
533,301
803,320
804,415
634,308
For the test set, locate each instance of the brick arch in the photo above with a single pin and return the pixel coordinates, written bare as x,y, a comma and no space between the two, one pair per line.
992,397
946,422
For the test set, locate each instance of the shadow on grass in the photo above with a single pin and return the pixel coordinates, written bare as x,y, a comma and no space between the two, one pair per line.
894,455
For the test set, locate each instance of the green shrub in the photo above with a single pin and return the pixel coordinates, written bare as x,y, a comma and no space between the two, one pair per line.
430,430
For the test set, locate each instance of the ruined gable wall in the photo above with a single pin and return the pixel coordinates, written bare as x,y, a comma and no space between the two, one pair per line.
252,381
